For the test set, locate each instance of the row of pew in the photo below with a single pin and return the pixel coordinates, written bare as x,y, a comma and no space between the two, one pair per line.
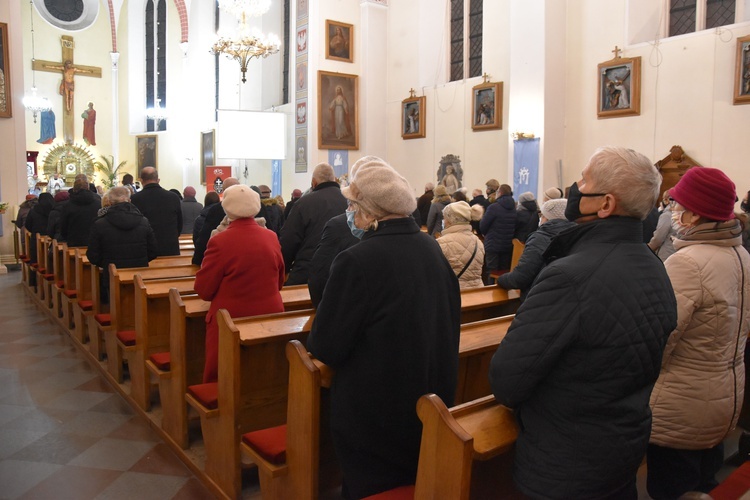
149,342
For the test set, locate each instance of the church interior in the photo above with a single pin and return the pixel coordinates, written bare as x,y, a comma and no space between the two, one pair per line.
519,91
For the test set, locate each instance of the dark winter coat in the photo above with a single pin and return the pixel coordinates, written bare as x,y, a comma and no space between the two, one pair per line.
580,359
53,221
123,237
390,343
435,216
191,209
288,207
498,225
527,221
162,209
273,214
424,203
532,259
301,233
199,221
214,215
37,221
78,216
336,238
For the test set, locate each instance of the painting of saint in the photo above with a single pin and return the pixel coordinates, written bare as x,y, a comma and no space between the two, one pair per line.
339,41
337,119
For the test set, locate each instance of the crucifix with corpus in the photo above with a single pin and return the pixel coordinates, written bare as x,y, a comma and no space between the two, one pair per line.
67,85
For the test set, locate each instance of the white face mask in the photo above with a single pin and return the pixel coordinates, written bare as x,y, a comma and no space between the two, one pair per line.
677,224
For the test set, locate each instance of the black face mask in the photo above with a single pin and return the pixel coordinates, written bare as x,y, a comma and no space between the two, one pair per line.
745,206
572,208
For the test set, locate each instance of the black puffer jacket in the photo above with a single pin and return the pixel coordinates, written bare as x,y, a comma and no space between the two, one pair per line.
528,220
121,236
580,359
78,216
499,224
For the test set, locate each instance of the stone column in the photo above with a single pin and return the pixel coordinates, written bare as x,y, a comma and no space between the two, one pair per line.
372,80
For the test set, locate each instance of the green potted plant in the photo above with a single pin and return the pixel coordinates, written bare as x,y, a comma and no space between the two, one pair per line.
109,171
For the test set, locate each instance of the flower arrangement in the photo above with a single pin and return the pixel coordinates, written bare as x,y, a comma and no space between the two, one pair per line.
3,207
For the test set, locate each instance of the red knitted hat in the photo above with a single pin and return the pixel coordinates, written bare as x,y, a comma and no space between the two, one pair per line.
707,192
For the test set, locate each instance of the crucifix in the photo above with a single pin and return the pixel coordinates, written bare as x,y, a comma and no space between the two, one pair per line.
617,52
67,85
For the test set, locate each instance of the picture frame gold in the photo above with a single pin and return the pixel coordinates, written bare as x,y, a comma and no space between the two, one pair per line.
338,111
5,95
339,41
742,71
487,106
413,112
619,87
147,151
208,153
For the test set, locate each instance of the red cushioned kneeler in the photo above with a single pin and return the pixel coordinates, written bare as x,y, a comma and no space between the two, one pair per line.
127,337
23,256
49,277
161,360
60,284
206,394
70,293
733,487
269,443
103,319
400,493
86,305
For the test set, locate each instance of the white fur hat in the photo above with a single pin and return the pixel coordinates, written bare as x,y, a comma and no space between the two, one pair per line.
554,209
240,202
379,189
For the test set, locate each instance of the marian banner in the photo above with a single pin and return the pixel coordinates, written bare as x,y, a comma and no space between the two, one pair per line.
525,166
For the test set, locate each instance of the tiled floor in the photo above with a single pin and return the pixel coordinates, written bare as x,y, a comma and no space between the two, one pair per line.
64,433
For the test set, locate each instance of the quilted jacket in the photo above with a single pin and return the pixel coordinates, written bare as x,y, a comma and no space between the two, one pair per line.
498,225
457,244
580,359
698,397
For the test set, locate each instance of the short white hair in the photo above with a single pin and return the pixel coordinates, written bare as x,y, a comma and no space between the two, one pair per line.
323,172
117,195
429,187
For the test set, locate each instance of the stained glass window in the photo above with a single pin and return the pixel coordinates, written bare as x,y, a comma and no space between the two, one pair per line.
459,29
682,17
719,13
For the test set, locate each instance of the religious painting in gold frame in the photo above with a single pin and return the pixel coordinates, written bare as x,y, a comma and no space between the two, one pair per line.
338,111
339,41
413,117
619,87
742,71
146,151
487,106
5,95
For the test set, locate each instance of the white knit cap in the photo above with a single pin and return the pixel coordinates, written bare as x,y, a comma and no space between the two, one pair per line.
240,202
461,209
554,209
379,189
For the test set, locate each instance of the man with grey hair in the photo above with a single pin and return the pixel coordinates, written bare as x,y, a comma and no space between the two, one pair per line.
214,216
424,202
163,211
79,214
302,230
121,236
580,359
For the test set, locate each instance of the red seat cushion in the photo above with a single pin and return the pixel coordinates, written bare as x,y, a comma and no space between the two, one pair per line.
103,319
35,265
60,284
70,293
206,394
161,360
41,270
269,443
86,305
736,485
23,256
49,277
400,493
127,337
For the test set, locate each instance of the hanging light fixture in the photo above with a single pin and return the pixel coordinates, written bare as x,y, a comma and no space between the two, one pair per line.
33,102
157,113
247,43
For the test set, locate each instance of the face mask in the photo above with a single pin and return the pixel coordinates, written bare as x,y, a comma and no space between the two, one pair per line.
357,232
572,208
677,224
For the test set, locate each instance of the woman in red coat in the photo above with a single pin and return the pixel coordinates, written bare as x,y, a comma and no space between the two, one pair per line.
242,270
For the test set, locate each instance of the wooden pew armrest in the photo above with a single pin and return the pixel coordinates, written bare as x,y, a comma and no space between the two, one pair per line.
273,470
492,426
202,410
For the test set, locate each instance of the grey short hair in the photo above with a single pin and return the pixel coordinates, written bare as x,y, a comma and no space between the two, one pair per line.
323,172
117,195
629,176
429,187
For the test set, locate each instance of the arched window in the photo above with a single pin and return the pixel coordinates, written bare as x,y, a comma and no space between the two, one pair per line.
466,17
156,60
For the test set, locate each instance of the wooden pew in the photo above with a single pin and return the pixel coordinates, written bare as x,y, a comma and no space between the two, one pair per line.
59,282
47,272
70,294
25,257
39,267
83,308
298,476
187,340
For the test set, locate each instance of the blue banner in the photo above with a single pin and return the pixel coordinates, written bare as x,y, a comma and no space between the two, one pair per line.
525,166
276,177
339,160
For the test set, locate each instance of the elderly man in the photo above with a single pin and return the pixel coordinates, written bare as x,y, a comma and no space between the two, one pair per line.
424,202
191,209
301,233
79,214
162,209
272,210
585,348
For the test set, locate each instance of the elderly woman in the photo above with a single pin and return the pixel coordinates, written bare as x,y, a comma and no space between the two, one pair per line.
435,215
242,270
388,341
528,216
464,251
697,399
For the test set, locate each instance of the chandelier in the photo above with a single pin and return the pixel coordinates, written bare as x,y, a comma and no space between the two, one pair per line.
248,43
33,102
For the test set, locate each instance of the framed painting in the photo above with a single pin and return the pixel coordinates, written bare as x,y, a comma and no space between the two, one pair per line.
619,87
300,157
147,151
5,96
208,158
487,106
742,71
413,117
339,41
338,107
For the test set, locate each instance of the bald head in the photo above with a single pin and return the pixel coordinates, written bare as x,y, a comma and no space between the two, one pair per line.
323,172
230,181
149,175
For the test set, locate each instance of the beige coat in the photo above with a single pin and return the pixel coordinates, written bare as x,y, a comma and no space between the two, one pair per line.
457,244
698,397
